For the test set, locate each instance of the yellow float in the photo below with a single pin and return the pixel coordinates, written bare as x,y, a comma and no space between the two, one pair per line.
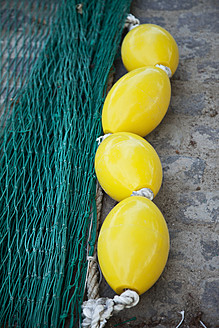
124,163
149,44
137,102
133,245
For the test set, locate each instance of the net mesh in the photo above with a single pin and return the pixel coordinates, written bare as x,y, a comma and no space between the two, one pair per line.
55,61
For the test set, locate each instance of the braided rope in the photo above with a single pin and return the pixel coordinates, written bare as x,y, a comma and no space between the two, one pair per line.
93,275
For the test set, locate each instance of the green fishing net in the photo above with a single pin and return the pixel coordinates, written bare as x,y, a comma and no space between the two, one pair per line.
55,61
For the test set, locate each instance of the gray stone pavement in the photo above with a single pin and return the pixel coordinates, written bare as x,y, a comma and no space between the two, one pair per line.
187,143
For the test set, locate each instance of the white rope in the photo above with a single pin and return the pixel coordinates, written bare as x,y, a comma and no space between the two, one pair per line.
131,22
202,323
183,315
97,312
166,69
101,138
144,192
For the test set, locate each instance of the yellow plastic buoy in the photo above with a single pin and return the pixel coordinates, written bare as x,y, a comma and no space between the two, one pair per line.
149,44
133,245
137,102
124,163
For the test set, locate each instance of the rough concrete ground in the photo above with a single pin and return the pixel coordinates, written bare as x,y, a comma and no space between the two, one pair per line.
186,142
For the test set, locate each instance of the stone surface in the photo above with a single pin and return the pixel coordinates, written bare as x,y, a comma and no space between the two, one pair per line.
187,143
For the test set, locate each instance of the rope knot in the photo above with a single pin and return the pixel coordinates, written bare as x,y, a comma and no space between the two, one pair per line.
144,192
131,22
97,312
127,299
166,69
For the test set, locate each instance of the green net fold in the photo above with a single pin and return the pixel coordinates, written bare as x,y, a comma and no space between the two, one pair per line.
55,62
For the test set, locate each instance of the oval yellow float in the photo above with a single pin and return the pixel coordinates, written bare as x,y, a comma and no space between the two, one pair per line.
137,102
133,245
149,44
124,163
